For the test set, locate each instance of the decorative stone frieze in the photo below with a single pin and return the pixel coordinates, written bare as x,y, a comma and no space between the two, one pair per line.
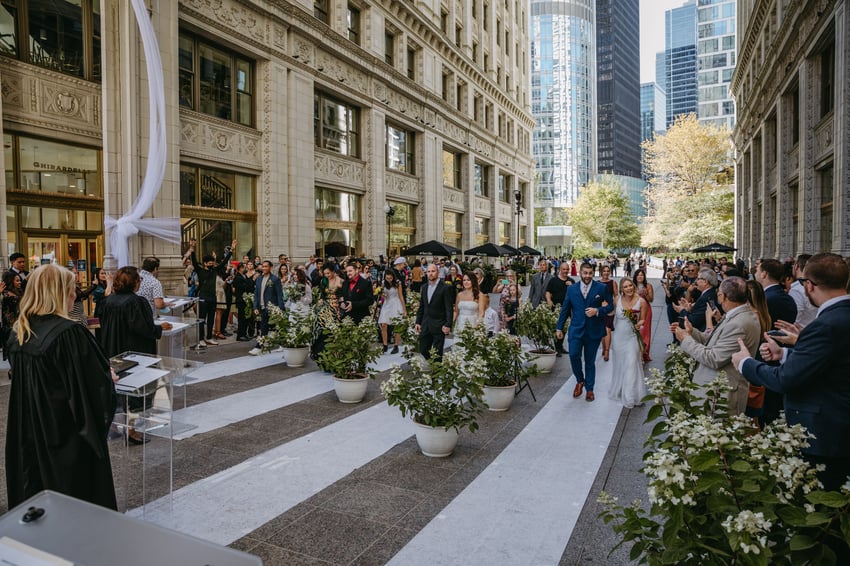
403,186
219,141
339,171
454,200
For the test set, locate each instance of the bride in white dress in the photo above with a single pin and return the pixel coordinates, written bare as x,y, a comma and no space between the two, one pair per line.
627,379
469,304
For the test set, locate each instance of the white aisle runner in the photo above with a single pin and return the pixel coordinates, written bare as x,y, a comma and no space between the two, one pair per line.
523,507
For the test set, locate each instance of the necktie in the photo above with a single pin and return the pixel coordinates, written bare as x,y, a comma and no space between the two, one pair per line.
584,290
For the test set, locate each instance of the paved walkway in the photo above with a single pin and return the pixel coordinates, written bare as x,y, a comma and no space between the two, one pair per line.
277,467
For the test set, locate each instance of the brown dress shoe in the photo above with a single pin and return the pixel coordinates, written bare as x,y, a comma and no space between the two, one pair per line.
578,389
590,396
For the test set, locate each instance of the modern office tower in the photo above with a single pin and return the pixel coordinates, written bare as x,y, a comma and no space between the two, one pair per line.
618,86
792,136
680,60
716,52
653,111
294,130
563,98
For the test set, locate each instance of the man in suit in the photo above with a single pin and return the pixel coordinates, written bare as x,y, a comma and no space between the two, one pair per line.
18,266
539,282
268,291
356,294
586,304
713,352
806,311
706,283
434,317
241,285
780,306
814,375
207,273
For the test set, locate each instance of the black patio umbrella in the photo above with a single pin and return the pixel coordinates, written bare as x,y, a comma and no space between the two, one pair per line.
489,249
432,247
513,250
713,248
528,250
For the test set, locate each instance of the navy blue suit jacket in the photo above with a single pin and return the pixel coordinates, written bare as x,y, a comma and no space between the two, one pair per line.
574,305
697,314
780,304
815,381
272,294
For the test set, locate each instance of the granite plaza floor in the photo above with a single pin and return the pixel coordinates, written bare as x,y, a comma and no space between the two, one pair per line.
277,467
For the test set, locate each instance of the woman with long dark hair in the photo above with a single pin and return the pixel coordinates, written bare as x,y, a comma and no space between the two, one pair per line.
645,291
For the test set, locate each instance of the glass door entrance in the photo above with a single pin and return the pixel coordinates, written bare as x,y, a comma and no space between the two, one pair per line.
81,253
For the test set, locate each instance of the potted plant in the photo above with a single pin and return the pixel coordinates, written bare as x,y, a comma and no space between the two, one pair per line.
503,360
348,352
441,399
292,331
538,325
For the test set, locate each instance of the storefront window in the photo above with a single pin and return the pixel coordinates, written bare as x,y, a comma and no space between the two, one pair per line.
402,227
482,230
52,167
338,227
453,228
504,233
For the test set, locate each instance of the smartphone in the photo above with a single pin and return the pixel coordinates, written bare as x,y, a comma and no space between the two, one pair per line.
505,281
776,333
712,305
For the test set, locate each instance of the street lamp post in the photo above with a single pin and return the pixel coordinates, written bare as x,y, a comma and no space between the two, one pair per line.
518,200
389,210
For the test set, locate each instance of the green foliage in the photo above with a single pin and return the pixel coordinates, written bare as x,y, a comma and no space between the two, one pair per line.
538,325
502,356
443,393
292,329
690,176
349,349
602,214
249,305
721,491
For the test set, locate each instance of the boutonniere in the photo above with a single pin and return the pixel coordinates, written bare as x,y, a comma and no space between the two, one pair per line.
269,283
596,297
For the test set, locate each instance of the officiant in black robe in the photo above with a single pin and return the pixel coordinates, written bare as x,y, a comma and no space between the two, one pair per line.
126,324
61,402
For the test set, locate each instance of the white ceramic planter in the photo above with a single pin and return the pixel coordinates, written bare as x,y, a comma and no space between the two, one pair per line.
350,390
436,442
296,357
544,362
499,398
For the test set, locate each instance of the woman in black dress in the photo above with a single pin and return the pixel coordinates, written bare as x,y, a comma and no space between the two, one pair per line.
62,398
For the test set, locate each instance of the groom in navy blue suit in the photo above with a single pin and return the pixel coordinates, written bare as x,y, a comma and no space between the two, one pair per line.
586,304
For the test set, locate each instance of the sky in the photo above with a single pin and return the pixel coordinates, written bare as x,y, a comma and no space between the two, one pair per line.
652,34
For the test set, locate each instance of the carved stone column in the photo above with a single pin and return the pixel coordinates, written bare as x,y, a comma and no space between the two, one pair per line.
841,125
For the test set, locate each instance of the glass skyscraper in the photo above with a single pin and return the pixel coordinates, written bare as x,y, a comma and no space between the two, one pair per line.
680,60
563,98
618,86
716,59
653,111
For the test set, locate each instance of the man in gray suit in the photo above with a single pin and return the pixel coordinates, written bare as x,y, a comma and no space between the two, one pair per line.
713,351
539,282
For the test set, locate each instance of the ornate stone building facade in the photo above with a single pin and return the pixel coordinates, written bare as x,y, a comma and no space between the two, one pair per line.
329,127
793,132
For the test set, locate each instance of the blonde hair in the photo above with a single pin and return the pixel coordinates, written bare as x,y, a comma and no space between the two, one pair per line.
47,292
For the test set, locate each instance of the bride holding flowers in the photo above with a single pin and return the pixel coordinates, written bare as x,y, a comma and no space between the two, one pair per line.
630,315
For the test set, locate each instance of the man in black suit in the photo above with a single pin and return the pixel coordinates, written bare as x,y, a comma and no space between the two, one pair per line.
434,317
706,283
814,375
781,306
356,294
18,266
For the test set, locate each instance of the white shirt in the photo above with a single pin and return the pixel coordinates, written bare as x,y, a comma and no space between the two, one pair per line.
150,288
431,288
263,282
806,311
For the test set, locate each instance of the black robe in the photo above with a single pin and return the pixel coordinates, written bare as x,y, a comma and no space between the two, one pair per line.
126,324
61,405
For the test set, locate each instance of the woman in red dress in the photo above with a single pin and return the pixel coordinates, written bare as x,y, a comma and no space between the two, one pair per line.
644,289
573,271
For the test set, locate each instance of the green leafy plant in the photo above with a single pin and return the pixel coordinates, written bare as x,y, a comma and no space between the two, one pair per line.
502,355
248,309
292,329
349,349
721,491
538,325
444,393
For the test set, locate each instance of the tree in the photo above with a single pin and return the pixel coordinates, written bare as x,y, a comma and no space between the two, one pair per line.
690,198
601,214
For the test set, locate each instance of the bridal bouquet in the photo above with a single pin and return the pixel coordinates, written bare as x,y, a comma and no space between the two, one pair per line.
633,316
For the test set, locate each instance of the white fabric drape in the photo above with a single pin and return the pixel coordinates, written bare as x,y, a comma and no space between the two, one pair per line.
131,223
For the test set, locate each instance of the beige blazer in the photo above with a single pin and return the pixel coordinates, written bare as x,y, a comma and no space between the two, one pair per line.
713,352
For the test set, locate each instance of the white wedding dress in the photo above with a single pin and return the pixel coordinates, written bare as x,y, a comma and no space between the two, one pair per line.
627,378
467,314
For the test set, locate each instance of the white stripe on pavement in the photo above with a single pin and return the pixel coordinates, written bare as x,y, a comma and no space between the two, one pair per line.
226,506
205,417
523,507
